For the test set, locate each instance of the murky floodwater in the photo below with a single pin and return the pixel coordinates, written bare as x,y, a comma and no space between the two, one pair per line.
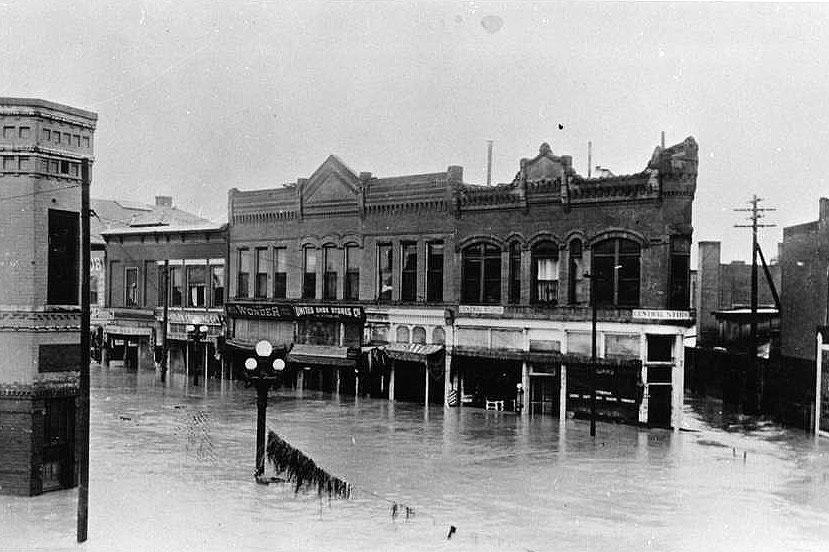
171,470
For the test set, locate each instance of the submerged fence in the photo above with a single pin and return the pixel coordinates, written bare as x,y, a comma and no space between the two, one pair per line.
781,388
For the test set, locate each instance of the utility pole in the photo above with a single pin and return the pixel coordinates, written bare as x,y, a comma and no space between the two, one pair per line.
165,320
82,445
489,162
756,213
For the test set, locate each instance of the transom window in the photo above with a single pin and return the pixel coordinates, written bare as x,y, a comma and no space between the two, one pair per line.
481,274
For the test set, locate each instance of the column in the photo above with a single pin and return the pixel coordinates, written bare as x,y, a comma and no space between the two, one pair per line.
391,382
525,382
562,395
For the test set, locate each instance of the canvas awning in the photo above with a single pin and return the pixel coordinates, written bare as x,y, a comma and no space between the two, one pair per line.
412,352
326,355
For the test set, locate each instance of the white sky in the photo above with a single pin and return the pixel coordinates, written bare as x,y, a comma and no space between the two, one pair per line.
197,97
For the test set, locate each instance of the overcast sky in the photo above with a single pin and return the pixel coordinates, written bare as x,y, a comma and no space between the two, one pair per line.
194,98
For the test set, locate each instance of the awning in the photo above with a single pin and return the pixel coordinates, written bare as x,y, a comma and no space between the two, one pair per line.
412,352
326,355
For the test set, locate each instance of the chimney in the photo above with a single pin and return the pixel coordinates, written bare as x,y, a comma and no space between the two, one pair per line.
455,174
163,201
824,208
365,176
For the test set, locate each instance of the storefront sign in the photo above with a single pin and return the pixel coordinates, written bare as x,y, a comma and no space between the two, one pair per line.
657,314
480,309
211,318
291,312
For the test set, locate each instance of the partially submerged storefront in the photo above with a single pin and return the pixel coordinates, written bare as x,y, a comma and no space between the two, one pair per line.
128,337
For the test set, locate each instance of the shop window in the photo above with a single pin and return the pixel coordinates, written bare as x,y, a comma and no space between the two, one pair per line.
64,259
680,296
333,265
243,277
309,276
353,257
131,287
419,335
438,336
545,273
615,271
402,334
408,272
260,288
621,346
196,286
25,132
434,272
47,134
514,273
280,273
481,274
660,348
384,272
574,271
176,287
217,278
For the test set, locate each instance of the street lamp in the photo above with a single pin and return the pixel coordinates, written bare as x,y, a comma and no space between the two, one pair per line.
262,375
197,333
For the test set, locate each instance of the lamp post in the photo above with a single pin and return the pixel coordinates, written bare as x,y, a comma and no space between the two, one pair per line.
263,375
196,333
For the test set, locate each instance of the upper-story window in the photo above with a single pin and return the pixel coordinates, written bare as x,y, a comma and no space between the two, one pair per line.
131,287
408,272
514,273
481,274
63,265
309,275
680,295
333,265
353,256
176,287
217,278
243,276
384,272
545,273
196,286
25,132
575,271
280,273
8,132
434,272
260,289
615,271
47,134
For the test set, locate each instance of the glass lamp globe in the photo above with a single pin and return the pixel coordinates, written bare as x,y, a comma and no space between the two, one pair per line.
250,364
264,348
278,364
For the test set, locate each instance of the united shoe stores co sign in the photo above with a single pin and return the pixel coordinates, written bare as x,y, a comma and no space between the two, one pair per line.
294,312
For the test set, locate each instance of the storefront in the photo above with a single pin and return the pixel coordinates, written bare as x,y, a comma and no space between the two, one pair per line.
192,350
128,338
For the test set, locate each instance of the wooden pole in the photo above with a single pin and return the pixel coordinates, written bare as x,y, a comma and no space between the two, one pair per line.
593,359
165,349
82,432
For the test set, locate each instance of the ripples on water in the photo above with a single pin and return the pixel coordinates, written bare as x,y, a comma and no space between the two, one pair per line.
171,470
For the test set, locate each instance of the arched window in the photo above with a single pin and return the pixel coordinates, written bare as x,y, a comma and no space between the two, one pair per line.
438,336
402,334
615,271
481,274
419,335
545,273
309,276
575,269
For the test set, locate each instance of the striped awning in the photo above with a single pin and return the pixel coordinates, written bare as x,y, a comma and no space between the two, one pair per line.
412,352
326,355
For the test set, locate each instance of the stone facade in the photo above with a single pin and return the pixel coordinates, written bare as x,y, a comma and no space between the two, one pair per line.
42,145
478,285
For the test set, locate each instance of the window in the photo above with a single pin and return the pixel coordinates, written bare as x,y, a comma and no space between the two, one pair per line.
280,273
93,290
384,272
438,336
434,272
176,286
243,278
514,273
64,167
159,297
353,257
57,137
196,286
217,278
23,163
64,258
621,346
9,163
419,335
261,283
47,134
131,287
8,132
25,132
660,348
309,278
680,296
616,271
333,259
53,166
408,272
67,138
74,169
574,271
402,334
77,138
86,141
545,273
481,274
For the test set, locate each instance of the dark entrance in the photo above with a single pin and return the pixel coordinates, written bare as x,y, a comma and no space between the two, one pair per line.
58,466
544,394
659,405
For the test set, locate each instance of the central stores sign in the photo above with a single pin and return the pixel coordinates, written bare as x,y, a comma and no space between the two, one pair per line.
294,312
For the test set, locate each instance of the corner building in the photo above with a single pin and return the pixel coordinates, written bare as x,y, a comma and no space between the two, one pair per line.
426,288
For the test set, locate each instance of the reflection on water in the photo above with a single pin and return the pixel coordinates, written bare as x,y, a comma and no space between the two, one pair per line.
172,464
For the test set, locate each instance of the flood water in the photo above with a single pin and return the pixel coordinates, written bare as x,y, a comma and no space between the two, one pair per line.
171,469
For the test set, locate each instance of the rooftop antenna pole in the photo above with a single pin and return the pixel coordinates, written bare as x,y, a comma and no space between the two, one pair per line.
589,158
488,162
754,217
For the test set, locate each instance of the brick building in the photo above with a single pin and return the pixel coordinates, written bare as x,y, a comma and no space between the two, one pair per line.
427,288
42,145
193,250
